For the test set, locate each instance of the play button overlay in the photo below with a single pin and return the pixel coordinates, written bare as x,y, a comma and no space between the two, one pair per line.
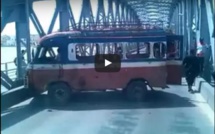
107,62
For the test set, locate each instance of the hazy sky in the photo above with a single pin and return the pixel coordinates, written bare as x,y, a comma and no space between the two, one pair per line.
45,10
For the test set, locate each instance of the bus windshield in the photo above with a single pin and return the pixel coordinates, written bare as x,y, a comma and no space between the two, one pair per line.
47,54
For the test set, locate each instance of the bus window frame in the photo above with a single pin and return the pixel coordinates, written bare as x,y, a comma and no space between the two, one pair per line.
180,47
42,51
137,55
162,47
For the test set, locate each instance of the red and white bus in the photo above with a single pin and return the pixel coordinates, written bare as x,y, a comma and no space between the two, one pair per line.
146,61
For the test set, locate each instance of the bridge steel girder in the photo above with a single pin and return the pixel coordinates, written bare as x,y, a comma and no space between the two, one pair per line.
35,20
65,15
123,13
101,16
22,35
117,13
110,14
20,15
86,20
149,6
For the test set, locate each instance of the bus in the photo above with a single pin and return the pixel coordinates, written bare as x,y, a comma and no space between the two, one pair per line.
64,63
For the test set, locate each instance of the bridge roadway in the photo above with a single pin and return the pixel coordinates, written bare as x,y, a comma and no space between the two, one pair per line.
170,111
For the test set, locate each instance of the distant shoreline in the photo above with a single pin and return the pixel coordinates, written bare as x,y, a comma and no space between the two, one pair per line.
8,46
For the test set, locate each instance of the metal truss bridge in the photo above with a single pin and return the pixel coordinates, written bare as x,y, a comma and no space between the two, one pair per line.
190,18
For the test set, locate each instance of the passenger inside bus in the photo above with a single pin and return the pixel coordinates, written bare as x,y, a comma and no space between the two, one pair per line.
159,50
58,57
171,50
119,51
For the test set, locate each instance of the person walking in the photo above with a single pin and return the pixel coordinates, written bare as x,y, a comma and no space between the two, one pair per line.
192,68
23,58
23,61
202,48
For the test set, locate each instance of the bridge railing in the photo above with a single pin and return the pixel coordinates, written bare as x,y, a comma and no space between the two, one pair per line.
9,69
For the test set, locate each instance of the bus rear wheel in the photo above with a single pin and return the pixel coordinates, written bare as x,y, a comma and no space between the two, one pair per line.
59,94
136,91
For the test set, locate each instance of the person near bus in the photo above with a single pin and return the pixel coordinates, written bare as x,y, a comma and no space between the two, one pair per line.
23,61
58,57
33,52
119,51
192,69
172,51
23,58
201,51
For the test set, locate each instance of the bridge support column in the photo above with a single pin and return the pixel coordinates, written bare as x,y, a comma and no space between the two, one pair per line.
206,31
22,36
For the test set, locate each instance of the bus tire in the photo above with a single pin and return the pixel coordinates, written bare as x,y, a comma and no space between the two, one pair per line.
136,91
59,94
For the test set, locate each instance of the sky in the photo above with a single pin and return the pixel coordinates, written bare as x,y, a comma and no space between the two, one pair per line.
45,10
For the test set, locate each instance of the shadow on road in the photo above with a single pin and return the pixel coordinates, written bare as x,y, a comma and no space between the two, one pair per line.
95,101
115,100
17,114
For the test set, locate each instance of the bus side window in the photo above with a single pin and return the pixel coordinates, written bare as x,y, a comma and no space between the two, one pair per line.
71,52
173,50
86,51
159,50
138,50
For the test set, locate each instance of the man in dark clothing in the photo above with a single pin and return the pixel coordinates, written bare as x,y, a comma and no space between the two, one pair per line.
23,58
213,75
191,65
23,61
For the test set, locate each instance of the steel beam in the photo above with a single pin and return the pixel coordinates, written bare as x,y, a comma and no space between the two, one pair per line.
110,15
117,13
51,26
184,25
123,13
86,18
62,7
35,21
71,16
101,17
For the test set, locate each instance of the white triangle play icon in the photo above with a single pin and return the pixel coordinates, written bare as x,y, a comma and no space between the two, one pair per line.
107,62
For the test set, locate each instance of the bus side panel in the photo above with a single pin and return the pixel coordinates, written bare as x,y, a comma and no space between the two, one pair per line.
174,73
89,79
42,75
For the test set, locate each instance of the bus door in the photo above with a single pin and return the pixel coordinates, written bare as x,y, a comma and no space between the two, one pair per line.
46,68
174,59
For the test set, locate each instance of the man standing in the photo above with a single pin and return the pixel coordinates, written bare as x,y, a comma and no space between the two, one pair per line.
23,63
23,58
201,51
192,69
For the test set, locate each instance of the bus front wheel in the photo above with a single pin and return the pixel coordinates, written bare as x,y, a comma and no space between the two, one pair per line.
136,91
59,94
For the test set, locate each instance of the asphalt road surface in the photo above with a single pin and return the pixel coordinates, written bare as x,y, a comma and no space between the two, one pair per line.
171,111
